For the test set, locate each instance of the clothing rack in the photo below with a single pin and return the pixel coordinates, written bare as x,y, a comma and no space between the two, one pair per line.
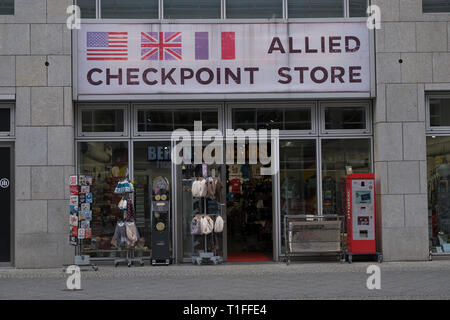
208,256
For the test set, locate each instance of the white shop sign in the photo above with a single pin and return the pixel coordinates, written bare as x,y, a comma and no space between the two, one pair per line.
223,58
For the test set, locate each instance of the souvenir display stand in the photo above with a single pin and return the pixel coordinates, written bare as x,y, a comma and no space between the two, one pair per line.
205,256
80,218
160,222
127,195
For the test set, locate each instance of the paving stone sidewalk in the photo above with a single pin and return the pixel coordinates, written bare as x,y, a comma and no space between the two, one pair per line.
406,280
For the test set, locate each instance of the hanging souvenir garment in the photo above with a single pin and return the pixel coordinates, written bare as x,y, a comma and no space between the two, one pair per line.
203,188
120,236
218,187
131,233
130,210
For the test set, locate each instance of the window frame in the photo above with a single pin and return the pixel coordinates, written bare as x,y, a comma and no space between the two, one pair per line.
10,14
223,16
283,105
345,132
345,13
320,176
283,11
434,12
146,106
11,106
433,130
101,106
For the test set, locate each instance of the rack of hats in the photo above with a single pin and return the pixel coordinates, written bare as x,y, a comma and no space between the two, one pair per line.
80,216
208,221
126,234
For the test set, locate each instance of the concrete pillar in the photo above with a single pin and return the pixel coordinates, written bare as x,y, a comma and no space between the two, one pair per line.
44,141
411,51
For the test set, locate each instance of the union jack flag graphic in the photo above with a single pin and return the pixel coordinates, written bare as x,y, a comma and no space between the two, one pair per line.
106,46
161,46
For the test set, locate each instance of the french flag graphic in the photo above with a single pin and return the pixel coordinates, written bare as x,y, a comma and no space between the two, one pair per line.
228,43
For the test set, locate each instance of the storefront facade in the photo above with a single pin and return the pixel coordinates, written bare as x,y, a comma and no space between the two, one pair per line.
216,73
344,99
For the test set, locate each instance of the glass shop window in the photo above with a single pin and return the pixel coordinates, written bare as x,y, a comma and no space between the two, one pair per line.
151,160
439,112
199,9
5,119
358,8
298,179
155,120
88,9
129,9
341,157
254,9
107,163
282,118
345,118
438,169
6,7
102,120
436,6
316,9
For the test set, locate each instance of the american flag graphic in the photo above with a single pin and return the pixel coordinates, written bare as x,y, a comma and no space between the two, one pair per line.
161,46
107,46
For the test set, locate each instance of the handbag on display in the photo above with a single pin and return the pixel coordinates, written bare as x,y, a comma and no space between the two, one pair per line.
218,225
196,226
207,225
195,189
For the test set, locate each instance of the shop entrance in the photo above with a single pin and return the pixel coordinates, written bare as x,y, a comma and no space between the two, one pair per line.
245,204
249,212
5,200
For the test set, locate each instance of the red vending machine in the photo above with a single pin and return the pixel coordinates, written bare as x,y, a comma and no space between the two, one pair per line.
361,236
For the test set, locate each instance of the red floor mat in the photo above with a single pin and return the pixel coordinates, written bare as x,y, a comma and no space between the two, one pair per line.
247,257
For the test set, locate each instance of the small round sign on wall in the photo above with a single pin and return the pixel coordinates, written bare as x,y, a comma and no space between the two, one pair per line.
4,183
